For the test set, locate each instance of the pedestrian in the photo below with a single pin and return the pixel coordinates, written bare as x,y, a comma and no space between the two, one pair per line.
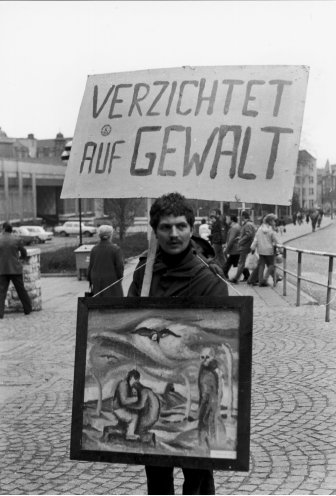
313,217
265,242
178,271
281,225
106,266
244,244
231,251
299,218
319,217
11,248
204,230
216,237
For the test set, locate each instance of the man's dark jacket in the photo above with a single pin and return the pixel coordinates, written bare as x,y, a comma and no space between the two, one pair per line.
10,249
184,275
216,232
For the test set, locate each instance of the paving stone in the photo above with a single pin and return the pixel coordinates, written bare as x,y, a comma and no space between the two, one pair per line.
293,406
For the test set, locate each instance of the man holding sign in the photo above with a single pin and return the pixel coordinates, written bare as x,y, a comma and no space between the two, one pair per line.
177,271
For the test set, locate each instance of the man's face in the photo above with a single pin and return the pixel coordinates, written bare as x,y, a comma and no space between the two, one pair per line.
173,234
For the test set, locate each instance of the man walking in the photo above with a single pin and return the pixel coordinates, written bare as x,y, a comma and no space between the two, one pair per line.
11,268
216,237
244,244
177,271
231,250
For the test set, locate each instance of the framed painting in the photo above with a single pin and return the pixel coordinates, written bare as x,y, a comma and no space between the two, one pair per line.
163,381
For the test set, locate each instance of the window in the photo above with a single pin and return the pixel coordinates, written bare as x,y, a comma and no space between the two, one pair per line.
311,191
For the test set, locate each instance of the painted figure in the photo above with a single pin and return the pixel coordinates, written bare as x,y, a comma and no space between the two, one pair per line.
210,394
125,396
136,405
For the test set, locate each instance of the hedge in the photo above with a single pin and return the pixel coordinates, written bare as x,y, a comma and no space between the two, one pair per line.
64,259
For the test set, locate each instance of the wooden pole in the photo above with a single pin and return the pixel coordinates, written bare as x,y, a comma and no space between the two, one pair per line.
152,246
147,280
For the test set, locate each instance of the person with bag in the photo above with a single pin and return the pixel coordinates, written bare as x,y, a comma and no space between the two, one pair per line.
106,265
244,244
231,251
178,271
265,242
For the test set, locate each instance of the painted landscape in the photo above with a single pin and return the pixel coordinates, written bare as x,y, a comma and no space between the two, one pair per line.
162,382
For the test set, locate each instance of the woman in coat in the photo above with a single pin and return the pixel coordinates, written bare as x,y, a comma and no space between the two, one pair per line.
106,265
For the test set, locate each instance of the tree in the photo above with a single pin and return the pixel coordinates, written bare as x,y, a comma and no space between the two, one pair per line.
295,202
122,212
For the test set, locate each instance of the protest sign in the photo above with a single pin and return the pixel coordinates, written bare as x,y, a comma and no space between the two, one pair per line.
227,133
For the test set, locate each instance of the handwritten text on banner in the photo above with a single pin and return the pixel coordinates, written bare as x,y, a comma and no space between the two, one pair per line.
227,133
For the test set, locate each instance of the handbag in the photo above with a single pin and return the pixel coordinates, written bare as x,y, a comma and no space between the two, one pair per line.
251,261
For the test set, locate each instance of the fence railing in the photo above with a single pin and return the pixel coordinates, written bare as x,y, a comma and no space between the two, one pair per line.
300,278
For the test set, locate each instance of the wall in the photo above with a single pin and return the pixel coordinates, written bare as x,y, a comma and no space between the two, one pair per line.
32,282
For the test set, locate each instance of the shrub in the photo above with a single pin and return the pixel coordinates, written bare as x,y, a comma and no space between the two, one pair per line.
64,259
60,260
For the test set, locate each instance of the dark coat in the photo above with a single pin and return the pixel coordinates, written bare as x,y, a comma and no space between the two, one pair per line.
11,248
216,232
189,277
246,237
106,267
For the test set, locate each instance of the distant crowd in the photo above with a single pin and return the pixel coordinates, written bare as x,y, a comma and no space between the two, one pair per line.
313,216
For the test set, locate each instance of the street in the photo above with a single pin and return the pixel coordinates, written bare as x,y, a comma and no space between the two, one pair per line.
293,442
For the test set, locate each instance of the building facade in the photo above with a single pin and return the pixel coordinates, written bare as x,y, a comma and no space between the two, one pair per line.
305,185
31,179
327,188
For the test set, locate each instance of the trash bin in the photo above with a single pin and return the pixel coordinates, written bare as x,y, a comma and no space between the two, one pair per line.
82,254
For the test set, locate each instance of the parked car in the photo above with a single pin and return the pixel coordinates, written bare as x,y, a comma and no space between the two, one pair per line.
39,233
22,233
31,235
72,227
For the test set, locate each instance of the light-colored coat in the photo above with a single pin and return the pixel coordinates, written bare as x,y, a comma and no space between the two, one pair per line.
265,240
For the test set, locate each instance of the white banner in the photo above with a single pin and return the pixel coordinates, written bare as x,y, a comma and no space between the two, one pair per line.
227,133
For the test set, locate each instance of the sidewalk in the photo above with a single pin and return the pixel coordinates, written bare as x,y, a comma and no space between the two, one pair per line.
293,435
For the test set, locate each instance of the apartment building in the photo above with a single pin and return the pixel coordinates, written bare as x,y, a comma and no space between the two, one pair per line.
306,180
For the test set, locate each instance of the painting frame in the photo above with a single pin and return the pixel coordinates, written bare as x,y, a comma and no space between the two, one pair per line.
239,307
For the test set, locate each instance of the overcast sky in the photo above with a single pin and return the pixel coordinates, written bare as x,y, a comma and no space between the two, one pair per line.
47,49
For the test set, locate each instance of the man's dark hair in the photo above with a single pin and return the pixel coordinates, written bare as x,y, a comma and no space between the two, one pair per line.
245,214
234,218
7,227
171,204
133,373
